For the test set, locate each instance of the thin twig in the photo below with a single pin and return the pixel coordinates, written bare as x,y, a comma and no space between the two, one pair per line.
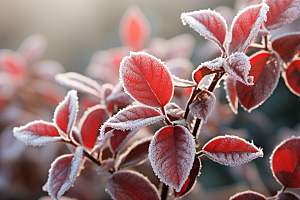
192,97
164,192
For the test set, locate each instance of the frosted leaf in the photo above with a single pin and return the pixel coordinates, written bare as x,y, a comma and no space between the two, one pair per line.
263,32
121,99
292,77
90,124
209,24
231,96
182,83
238,66
135,155
63,173
171,153
133,117
79,82
119,139
203,106
249,195
173,110
245,27
281,13
131,185
106,165
33,47
231,150
146,79
207,68
101,142
287,196
66,112
37,133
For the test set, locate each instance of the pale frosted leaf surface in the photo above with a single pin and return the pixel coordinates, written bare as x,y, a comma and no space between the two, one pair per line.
133,117
231,150
171,153
207,68
231,96
63,173
204,104
131,185
182,83
120,138
180,67
245,27
134,28
79,82
191,181
37,133
287,46
66,112
292,77
174,110
281,13
285,163
106,165
248,195
146,79
33,47
265,68
209,24
287,196
238,67
136,154
90,124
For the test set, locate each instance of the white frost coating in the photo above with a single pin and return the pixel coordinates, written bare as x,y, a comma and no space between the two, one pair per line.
230,82
124,141
238,66
106,165
212,18
182,83
71,103
162,160
174,110
55,185
35,138
79,82
204,105
245,43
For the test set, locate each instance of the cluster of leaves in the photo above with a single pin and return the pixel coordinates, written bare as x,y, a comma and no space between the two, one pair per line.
145,92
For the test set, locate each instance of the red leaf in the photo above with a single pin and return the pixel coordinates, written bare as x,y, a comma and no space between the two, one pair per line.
106,165
287,196
182,83
285,161
287,46
79,82
146,79
66,112
136,154
231,95
192,179
90,124
281,13
37,133
265,68
63,173
171,153
245,27
203,106
134,28
131,185
121,99
248,195
209,24
292,77
231,150
120,138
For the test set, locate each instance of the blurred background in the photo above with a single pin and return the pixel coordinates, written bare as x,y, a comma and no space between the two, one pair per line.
70,32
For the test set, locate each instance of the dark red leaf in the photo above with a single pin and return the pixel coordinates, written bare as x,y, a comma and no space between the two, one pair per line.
231,95
136,154
90,124
37,133
281,13
121,99
146,79
231,150
192,179
287,46
292,77
248,195
171,153
265,68
285,163
209,24
120,138
131,185
134,28
245,27
287,196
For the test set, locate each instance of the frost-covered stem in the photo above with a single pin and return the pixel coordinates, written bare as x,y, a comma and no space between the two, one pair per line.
167,120
196,127
256,46
164,192
192,97
266,38
199,153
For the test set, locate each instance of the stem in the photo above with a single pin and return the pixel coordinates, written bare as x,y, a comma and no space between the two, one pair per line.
256,46
196,127
192,97
199,153
167,120
164,192
266,43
